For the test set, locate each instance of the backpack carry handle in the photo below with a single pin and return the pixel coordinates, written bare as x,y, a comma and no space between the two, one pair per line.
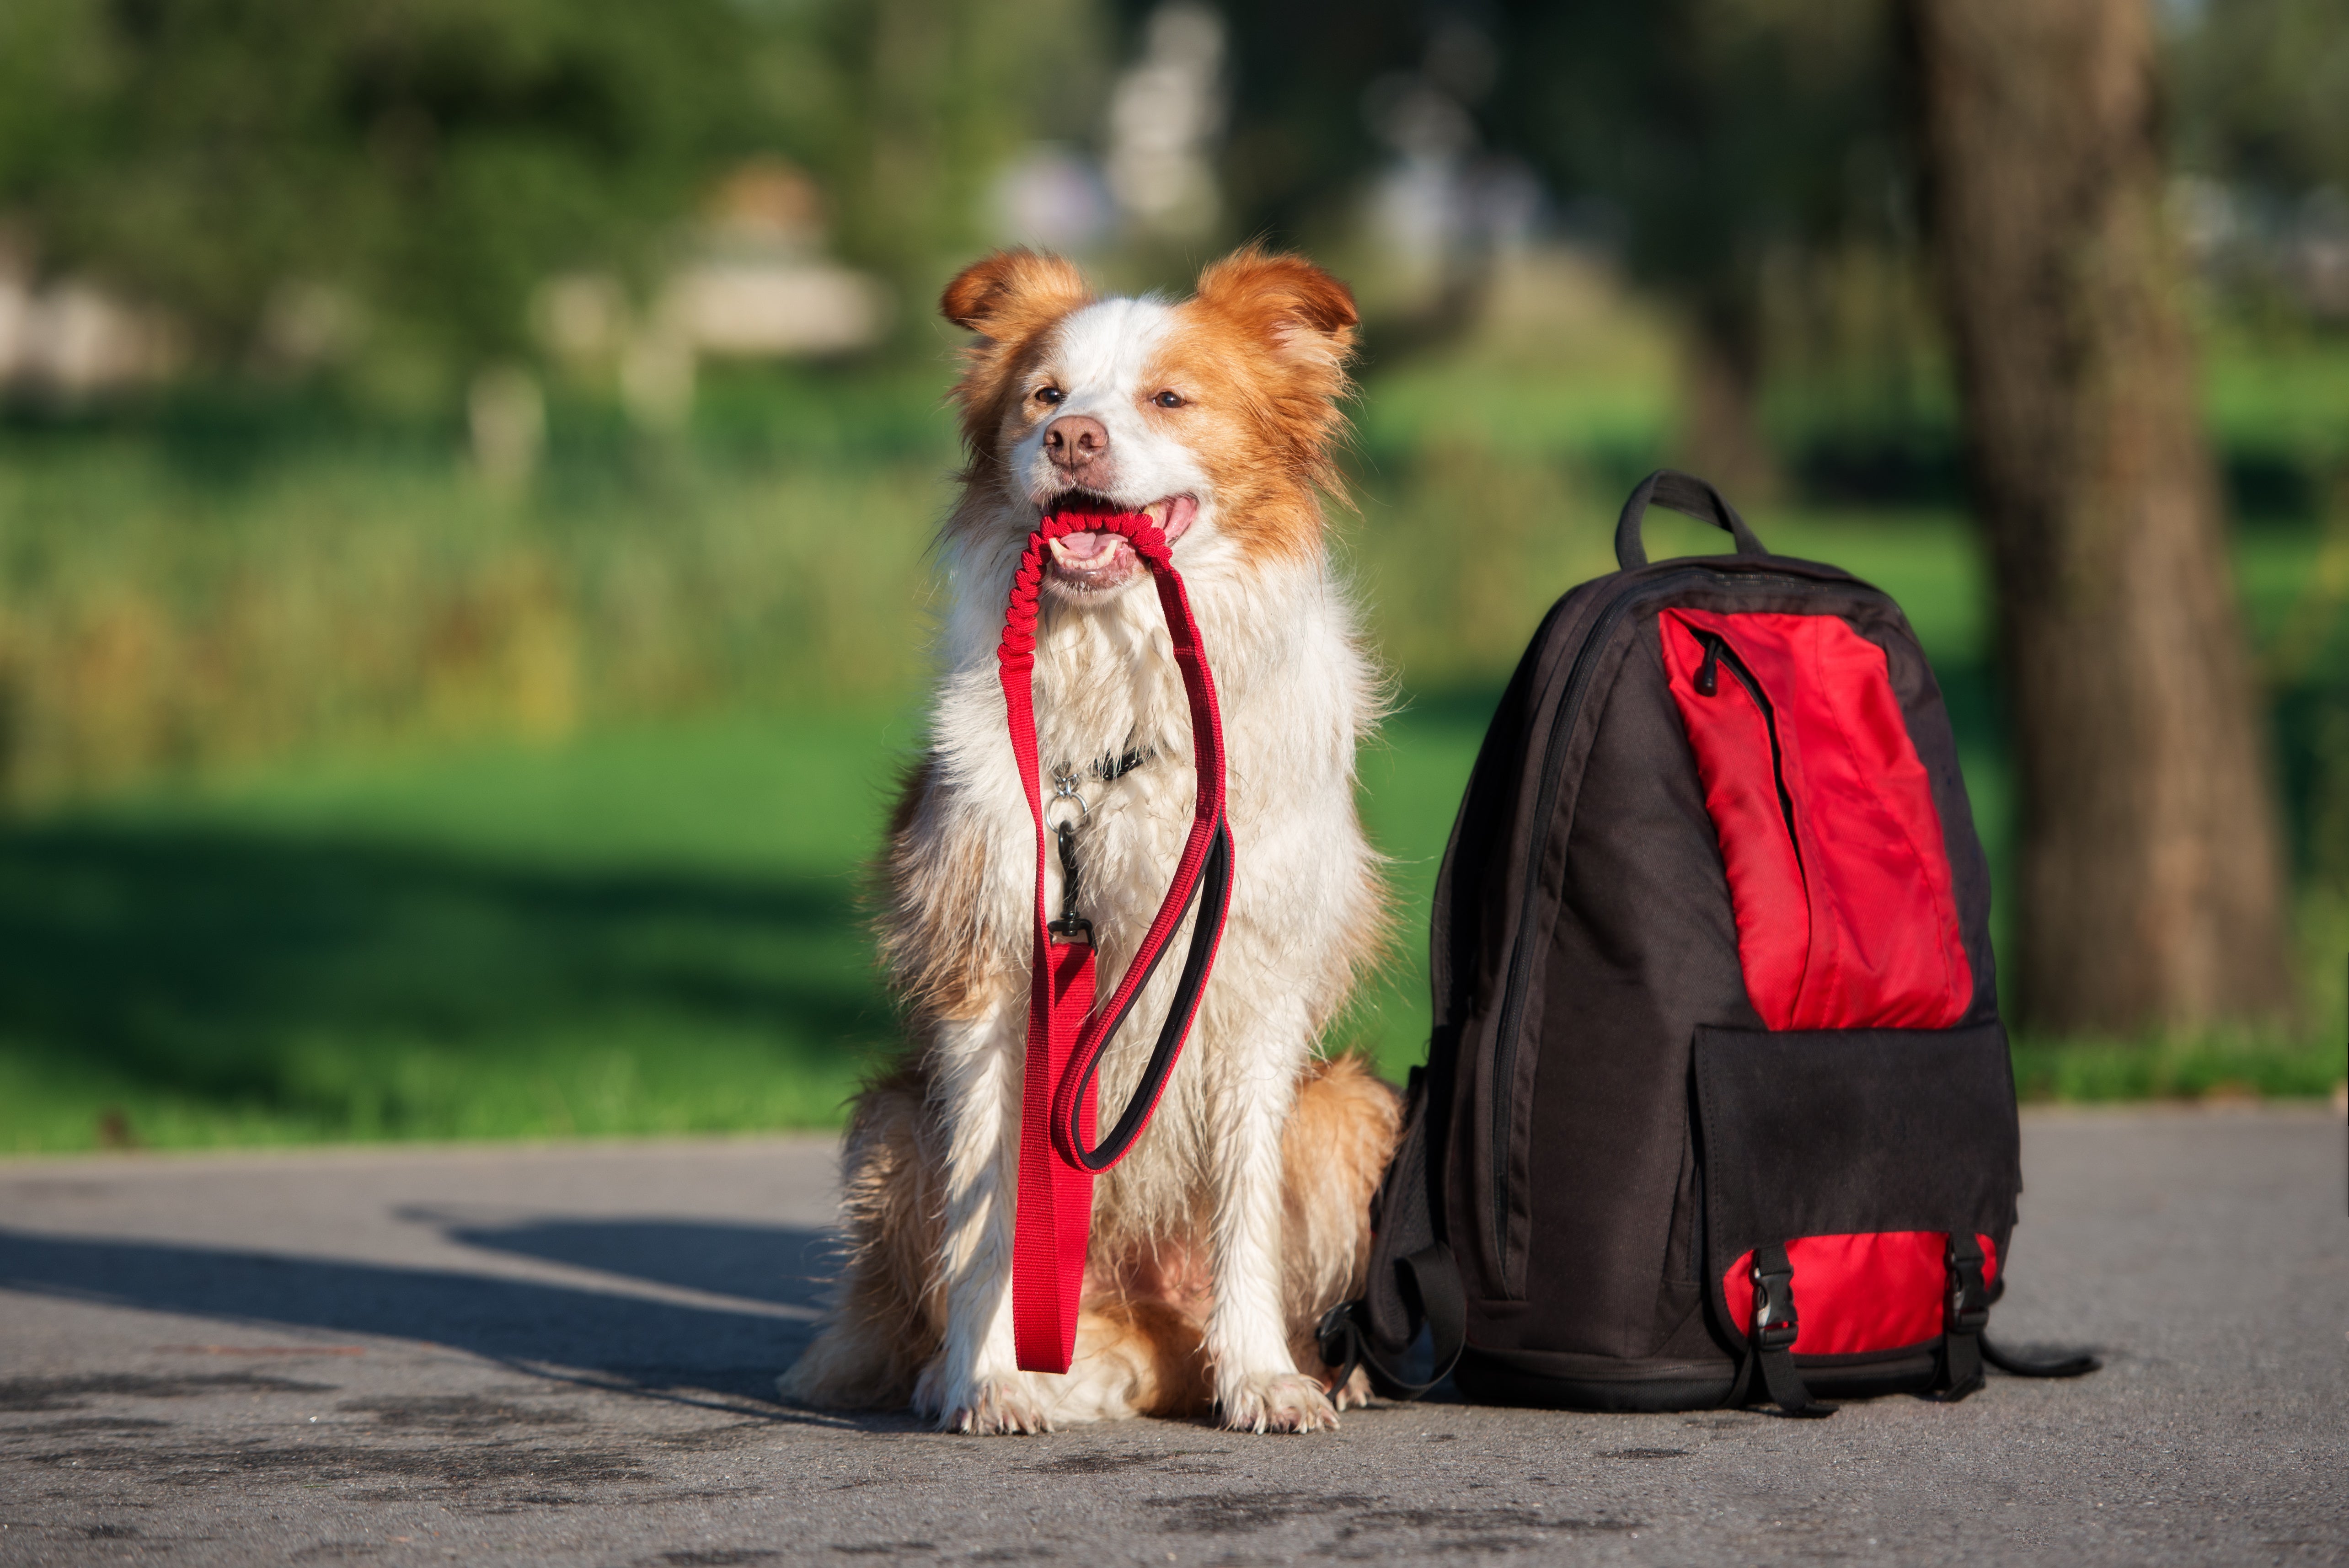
1686,494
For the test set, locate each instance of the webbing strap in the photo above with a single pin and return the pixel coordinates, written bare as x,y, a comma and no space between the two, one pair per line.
1066,1035
1431,1294
1965,1311
1771,1333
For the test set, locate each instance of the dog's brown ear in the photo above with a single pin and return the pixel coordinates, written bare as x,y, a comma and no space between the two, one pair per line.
1306,315
1012,291
1009,299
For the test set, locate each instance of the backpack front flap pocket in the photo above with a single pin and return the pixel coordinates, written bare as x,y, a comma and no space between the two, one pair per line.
1880,1165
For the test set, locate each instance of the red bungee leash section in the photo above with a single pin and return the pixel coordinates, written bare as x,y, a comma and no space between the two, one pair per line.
1066,1033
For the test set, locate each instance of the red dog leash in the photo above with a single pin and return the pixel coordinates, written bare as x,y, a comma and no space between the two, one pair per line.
1066,1037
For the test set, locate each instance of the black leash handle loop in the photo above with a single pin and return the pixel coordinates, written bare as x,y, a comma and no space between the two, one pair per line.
1210,894
1684,493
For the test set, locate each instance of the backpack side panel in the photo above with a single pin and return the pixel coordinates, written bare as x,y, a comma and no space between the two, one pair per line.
1479,902
1642,949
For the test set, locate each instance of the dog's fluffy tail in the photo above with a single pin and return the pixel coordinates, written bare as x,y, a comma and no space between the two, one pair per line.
885,1319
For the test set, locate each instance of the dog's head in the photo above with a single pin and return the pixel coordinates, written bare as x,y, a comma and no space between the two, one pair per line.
1216,414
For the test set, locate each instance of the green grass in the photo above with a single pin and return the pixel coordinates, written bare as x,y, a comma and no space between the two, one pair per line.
652,931
648,931
2279,397
2177,1069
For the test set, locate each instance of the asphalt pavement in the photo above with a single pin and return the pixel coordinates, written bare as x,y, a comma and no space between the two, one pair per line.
565,1355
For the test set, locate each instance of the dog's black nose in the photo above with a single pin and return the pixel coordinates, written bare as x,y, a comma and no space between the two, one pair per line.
1073,442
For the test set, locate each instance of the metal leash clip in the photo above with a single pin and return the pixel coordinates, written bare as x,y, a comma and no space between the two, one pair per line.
1065,780
1071,927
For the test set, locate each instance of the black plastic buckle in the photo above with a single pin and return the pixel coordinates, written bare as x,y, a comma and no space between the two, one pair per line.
1334,1334
1775,1325
1966,1309
1071,927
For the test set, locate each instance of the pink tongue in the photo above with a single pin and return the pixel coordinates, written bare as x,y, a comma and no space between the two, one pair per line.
1084,546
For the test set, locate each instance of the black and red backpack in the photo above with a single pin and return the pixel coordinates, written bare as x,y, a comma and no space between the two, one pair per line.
1717,1108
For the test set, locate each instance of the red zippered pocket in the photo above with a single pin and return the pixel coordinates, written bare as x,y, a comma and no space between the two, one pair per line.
1837,872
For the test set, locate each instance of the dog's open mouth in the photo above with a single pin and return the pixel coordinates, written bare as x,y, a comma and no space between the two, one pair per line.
1095,560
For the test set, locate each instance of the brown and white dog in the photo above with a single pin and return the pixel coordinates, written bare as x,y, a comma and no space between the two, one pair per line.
1240,1214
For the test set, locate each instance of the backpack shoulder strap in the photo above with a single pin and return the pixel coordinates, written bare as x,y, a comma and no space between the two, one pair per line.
1412,1279
1432,1283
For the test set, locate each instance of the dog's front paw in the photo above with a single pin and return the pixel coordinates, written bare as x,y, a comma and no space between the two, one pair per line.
996,1404
1276,1402
985,1405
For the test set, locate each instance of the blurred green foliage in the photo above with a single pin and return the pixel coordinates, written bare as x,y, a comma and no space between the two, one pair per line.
437,157
433,161
181,597
2261,92
1721,131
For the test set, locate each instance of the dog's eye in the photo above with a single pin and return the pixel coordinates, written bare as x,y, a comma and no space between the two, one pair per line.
1168,399
1049,395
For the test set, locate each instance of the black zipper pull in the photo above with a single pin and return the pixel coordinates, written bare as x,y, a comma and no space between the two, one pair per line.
1708,673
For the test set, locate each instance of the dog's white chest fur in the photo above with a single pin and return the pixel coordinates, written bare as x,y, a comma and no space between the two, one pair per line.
1296,696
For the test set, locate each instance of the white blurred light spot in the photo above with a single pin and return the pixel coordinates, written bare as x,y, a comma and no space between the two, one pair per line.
1165,116
1052,196
760,309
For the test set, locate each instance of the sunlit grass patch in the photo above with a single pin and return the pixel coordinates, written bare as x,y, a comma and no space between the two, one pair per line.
652,931
2274,1066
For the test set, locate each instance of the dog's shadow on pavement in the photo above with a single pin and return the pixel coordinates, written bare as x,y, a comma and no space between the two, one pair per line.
617,1336
773,1263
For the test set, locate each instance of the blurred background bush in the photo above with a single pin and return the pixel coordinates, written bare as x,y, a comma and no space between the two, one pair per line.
466,471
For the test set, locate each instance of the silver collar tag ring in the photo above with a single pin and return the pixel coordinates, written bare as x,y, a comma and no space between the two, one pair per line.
1065,780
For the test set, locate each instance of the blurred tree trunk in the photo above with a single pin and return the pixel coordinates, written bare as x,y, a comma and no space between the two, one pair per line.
2151,892
1721,395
